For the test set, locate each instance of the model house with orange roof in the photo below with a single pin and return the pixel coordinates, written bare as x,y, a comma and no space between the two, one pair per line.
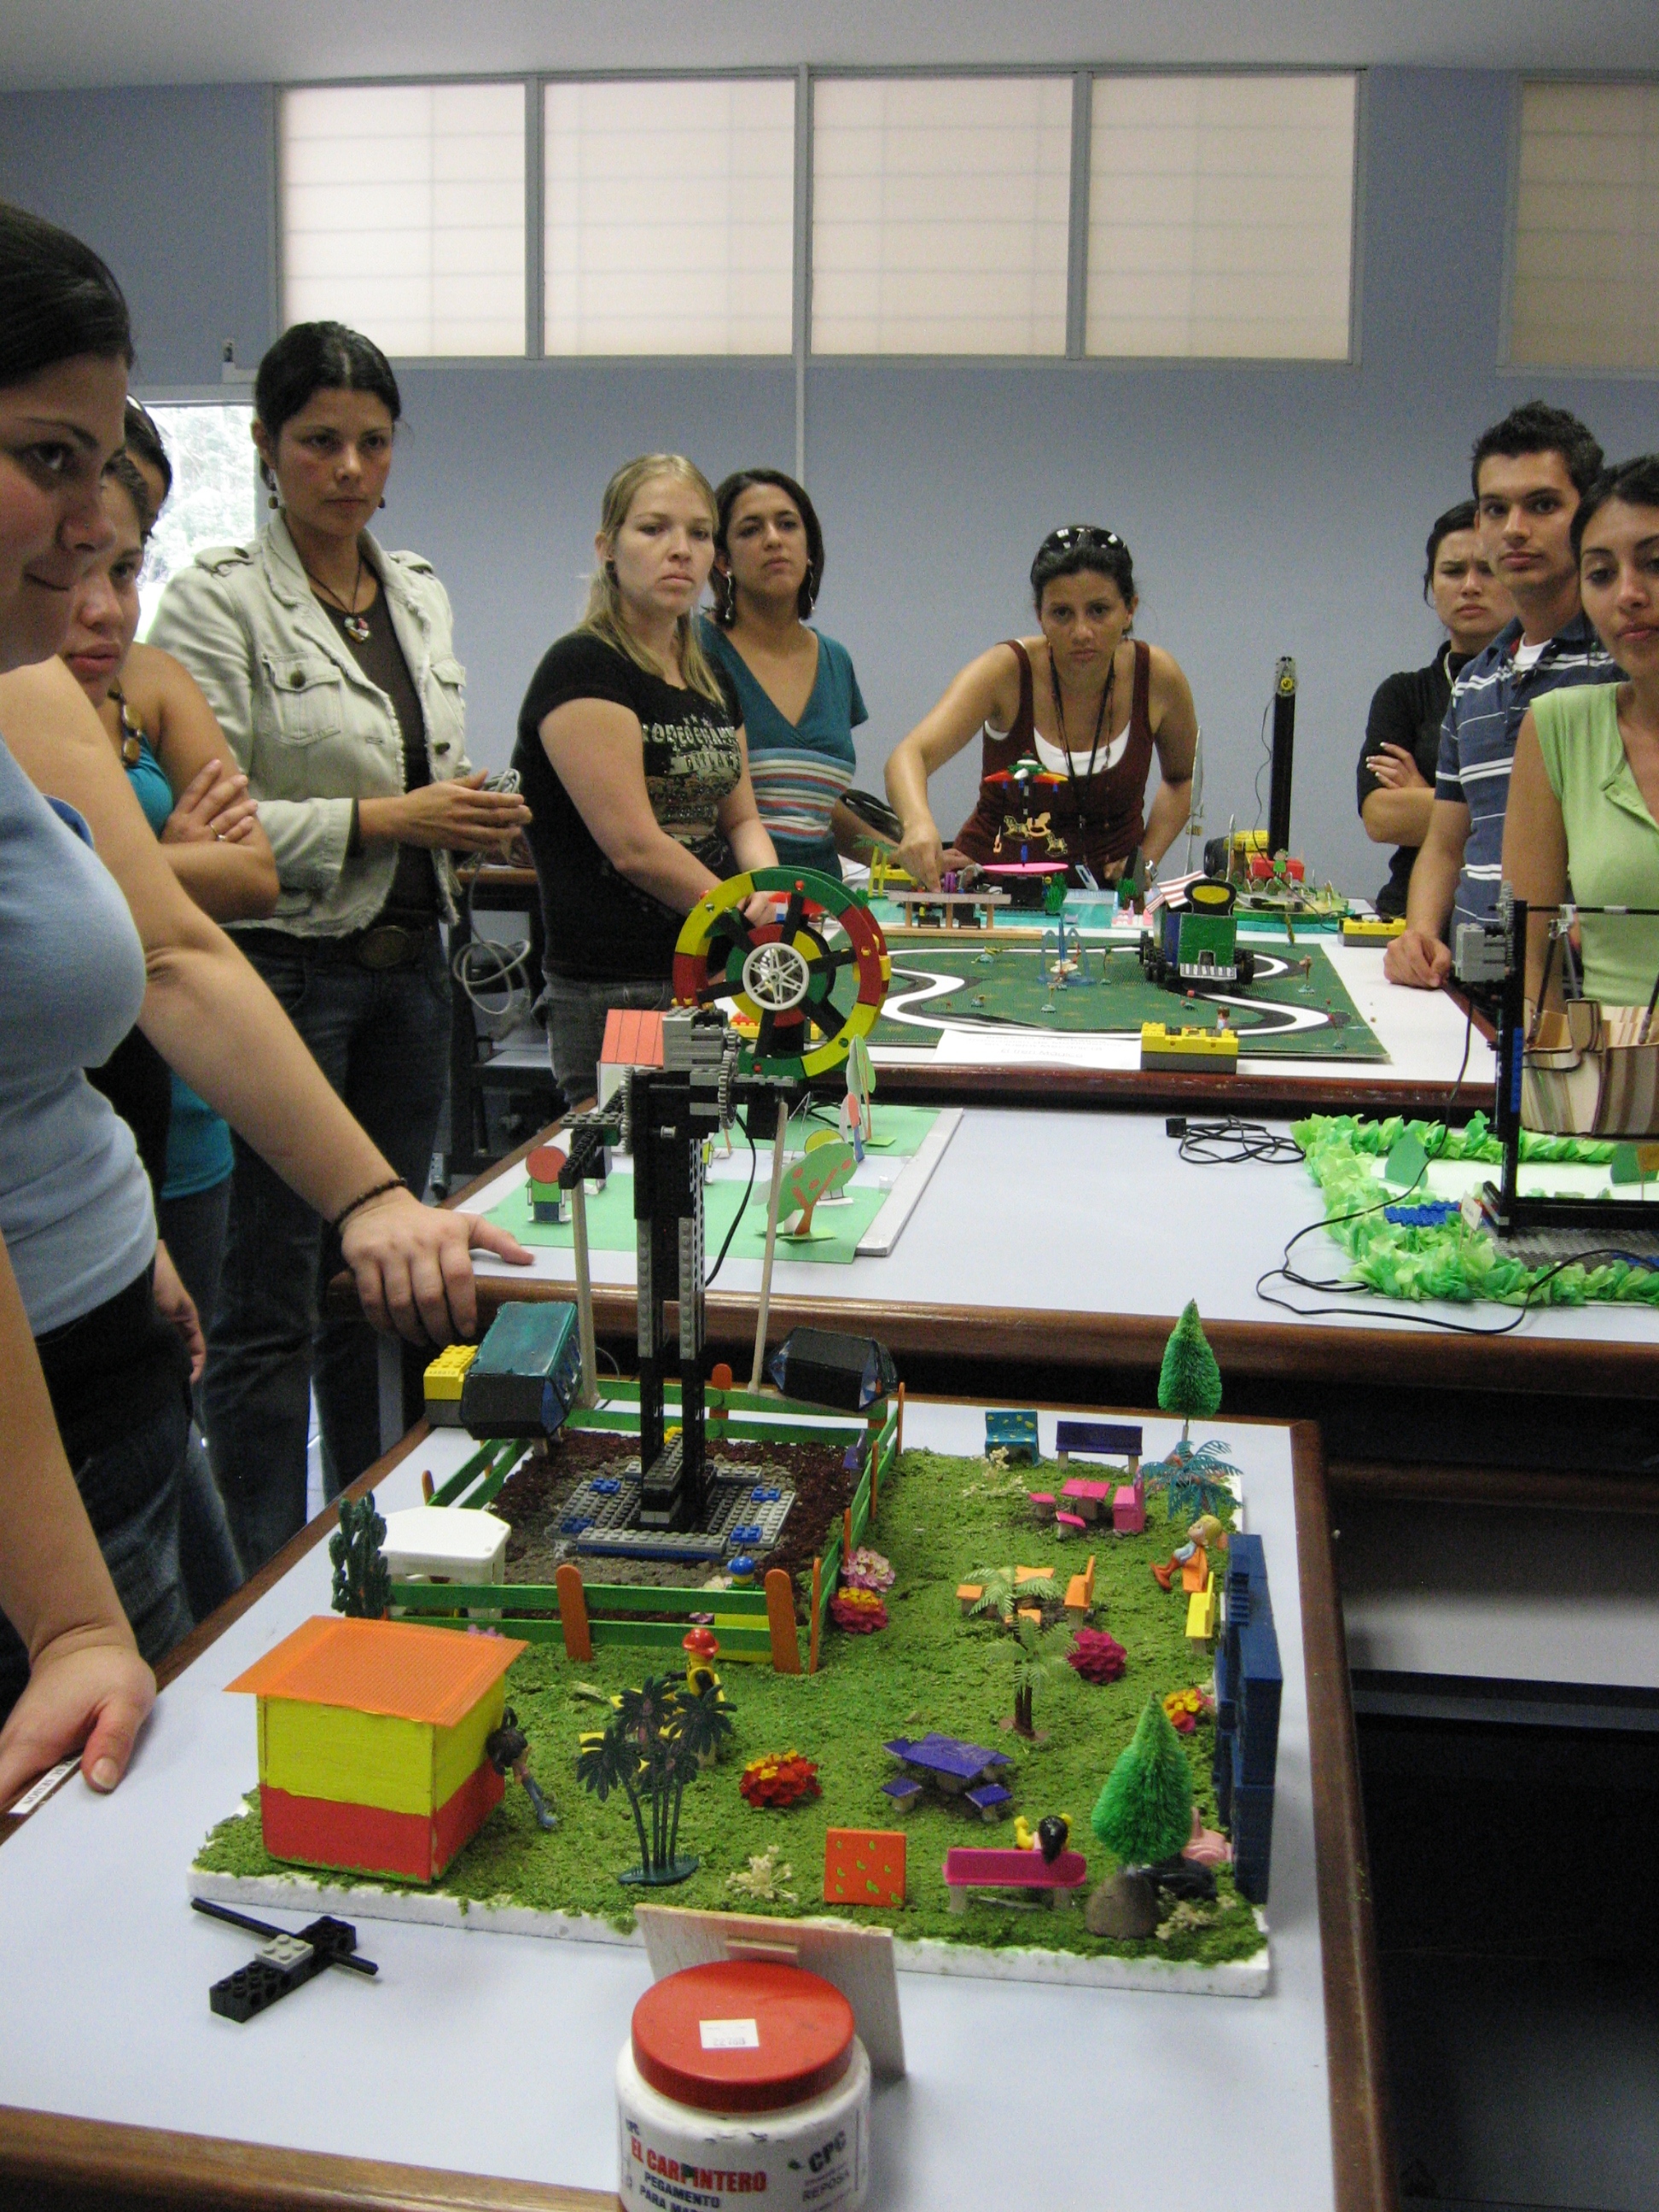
372,1743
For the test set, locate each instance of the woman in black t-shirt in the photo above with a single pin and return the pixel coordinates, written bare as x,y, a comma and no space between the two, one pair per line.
631,757
1403,732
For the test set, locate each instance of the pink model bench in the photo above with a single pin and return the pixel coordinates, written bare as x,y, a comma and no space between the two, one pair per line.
969,1867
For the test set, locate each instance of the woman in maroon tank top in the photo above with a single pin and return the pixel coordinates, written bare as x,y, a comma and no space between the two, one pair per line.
1088,702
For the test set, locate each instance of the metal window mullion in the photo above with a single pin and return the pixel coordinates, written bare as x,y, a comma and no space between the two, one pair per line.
801,303
535,274
1077,258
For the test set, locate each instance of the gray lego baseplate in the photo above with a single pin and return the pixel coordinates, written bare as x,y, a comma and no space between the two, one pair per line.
743,1514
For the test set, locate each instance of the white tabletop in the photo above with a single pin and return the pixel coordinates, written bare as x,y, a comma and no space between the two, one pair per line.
1097,1214
494,2053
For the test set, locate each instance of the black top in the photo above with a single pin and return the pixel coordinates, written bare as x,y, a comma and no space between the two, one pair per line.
1407,711
413,893
600,927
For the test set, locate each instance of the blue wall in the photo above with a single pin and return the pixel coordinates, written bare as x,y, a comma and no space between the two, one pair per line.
1271,510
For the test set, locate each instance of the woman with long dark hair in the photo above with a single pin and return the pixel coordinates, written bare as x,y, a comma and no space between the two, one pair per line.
1090,701
329,663
796,688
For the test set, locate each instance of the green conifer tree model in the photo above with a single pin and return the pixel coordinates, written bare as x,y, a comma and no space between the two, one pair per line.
1145,1812
1188,1381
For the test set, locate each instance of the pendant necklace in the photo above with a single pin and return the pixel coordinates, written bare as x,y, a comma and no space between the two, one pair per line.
1094,743
355,625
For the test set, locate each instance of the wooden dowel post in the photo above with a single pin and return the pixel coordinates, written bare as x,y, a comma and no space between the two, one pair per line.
757,1372
589,1394
781,1619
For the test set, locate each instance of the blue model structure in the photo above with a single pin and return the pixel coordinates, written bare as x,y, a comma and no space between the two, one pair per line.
1249,1682
1099,1439
955,1769
527,1372
1015,1433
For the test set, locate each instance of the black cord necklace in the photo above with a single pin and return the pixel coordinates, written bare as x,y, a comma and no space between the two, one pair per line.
355,625
1107,690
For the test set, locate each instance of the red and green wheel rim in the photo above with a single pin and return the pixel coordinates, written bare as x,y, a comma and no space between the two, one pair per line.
811,981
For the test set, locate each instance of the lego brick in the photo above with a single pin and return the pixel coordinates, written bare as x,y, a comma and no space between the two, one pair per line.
445,1375
1184,1050
864,1866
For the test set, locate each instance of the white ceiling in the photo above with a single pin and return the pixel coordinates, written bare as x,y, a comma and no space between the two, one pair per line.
46,43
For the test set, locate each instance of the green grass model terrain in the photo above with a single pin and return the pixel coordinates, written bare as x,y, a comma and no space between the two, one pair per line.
940,1519
1282,1013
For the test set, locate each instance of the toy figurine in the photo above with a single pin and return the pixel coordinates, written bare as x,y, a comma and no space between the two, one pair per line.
508,1749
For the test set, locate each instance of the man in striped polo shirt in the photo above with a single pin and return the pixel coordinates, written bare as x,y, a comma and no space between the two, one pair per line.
1530,473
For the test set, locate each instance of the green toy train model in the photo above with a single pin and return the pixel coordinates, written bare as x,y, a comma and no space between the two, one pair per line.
1195,944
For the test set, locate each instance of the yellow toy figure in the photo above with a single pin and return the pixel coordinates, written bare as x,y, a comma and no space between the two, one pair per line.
700,1647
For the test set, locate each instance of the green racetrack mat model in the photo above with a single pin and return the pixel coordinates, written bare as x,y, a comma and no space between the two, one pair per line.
1283,1013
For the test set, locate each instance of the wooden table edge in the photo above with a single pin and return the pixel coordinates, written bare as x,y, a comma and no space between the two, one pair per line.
1362,2152
50,2160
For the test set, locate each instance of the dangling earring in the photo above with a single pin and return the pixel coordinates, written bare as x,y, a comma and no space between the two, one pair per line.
383,502
272,499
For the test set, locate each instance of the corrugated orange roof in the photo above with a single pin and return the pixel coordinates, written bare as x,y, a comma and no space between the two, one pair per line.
633,1039
391,1667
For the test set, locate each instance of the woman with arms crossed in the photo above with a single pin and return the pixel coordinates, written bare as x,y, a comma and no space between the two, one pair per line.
1582,822
1088,701
75,1205
1403,732
797,690
631,755
330,664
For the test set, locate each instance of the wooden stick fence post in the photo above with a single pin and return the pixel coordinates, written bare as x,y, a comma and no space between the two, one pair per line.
781,1619
756,1372
573,1613
812,1641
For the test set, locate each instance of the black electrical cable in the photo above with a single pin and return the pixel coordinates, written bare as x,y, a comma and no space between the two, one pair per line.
1251,1140
748,1193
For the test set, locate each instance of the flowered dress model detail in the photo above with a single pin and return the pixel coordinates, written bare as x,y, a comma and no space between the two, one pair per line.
1096,818
799,769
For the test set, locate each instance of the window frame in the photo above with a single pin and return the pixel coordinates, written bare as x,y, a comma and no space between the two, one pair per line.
805,78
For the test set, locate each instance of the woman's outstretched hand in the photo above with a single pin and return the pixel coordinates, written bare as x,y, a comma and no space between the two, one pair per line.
413,1266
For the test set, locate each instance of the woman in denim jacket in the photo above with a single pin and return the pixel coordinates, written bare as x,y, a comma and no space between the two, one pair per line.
329,663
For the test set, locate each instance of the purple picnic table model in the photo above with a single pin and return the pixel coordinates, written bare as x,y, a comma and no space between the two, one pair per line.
948,1765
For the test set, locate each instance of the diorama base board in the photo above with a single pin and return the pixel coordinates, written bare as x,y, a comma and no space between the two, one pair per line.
297,1892
1282,1014
940,1519
881,1195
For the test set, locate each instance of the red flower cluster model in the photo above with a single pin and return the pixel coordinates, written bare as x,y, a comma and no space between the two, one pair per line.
1098,1657
779,1778
857,1611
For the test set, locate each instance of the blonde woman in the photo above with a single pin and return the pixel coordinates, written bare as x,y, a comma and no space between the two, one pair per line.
631,757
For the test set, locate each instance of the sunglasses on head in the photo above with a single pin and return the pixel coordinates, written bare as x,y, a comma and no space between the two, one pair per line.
1071,534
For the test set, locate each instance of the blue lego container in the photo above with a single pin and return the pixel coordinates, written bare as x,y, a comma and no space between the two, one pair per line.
1250,1686
527,1372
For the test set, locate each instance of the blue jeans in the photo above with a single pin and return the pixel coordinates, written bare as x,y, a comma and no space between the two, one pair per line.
575,1011
132,1491
382,1040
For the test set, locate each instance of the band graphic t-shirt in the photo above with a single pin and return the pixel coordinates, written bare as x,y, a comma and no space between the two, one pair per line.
600,927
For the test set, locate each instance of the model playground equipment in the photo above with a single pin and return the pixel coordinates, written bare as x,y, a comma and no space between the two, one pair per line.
373,1752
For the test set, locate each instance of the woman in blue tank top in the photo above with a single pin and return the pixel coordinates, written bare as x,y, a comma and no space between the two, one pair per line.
797,688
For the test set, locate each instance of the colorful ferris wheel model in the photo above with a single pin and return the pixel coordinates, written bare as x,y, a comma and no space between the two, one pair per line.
800,985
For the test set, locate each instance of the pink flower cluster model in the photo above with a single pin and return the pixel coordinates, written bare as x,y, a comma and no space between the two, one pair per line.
1098,1657
867,1570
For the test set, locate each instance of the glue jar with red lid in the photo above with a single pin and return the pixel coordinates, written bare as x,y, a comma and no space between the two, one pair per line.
741,2080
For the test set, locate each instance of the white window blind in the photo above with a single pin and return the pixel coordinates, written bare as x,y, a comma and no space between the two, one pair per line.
1586,288
669,210
403,213
940,212
1221,216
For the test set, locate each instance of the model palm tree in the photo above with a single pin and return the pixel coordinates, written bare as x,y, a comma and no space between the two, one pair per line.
656,1739
1037,1659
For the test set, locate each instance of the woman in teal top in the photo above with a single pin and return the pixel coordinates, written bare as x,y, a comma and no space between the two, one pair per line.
797,688
195,800
1584,810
